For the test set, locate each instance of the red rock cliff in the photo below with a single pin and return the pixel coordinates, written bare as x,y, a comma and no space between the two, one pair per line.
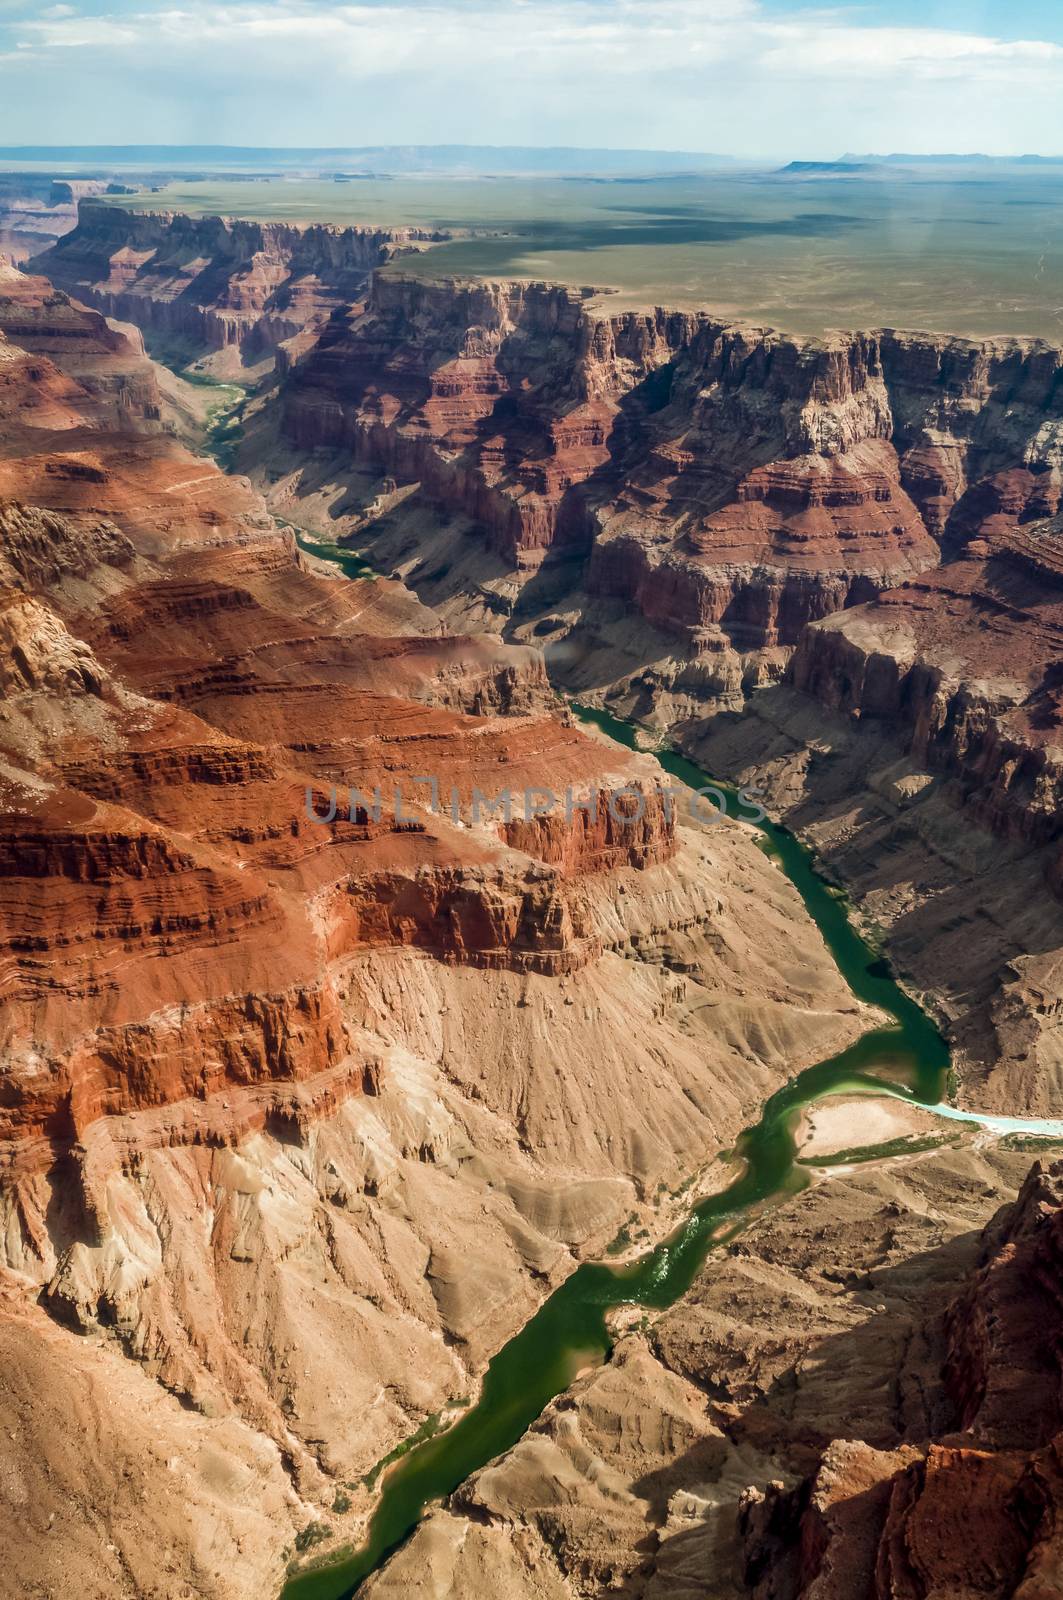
176,681
727,484
215,281
962,665
500,399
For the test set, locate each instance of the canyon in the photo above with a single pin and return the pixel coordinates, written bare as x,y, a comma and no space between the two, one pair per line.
35,210
839,555
856,1399
301,1120
275,1088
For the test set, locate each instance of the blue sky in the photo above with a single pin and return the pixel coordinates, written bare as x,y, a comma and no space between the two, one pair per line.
1022,19
764,78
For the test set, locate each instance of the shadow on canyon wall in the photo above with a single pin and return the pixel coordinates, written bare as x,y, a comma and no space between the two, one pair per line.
881,1383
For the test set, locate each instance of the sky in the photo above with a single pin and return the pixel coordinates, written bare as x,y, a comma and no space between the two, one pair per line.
764,79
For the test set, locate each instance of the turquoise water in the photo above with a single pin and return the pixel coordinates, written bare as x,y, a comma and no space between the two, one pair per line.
1049,1127
349,562
908,1057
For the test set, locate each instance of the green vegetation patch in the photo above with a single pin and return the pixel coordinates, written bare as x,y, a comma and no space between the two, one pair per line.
623,1240
225,432
428,1430
314,1533
906,1145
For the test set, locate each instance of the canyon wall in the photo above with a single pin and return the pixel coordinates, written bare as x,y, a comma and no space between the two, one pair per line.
213,282
117,383
717,487
962,665
196,677
500,399
858,1399
704,490
867,517
976,1510
276,1088
35,210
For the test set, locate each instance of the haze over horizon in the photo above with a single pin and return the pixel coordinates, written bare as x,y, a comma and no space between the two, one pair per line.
499,158
653,74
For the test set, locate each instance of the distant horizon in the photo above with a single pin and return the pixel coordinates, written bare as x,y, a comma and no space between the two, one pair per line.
131,149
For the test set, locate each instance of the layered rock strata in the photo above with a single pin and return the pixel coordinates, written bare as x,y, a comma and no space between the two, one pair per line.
155,620
349,1040
656,487
723,507
214,283
917,748
975,1511
108,366
35,210
962,665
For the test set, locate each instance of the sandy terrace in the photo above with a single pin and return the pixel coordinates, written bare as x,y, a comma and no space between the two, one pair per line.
849,1123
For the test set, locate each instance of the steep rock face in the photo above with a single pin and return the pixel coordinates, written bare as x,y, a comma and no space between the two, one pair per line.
214,281
289,1114
803,538
977,426
719,486
963,665
108,365
784,1430
977,1511
961,910
181,692
41,550
500,399
35,210
151,857
34,393
799,480
1004,1356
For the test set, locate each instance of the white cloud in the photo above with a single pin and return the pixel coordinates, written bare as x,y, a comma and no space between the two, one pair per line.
828,50
629,37
374,33
692,73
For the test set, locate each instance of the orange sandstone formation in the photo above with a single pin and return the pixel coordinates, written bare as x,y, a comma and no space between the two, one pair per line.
177,681
977,1510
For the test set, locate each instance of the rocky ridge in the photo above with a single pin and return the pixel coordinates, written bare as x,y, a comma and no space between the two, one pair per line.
686,514
216,284
35,210
654,487
976,1510
962,664
917,747
860,1398
108,366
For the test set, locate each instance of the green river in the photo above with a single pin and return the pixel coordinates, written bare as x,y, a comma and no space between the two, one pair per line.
908,1057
